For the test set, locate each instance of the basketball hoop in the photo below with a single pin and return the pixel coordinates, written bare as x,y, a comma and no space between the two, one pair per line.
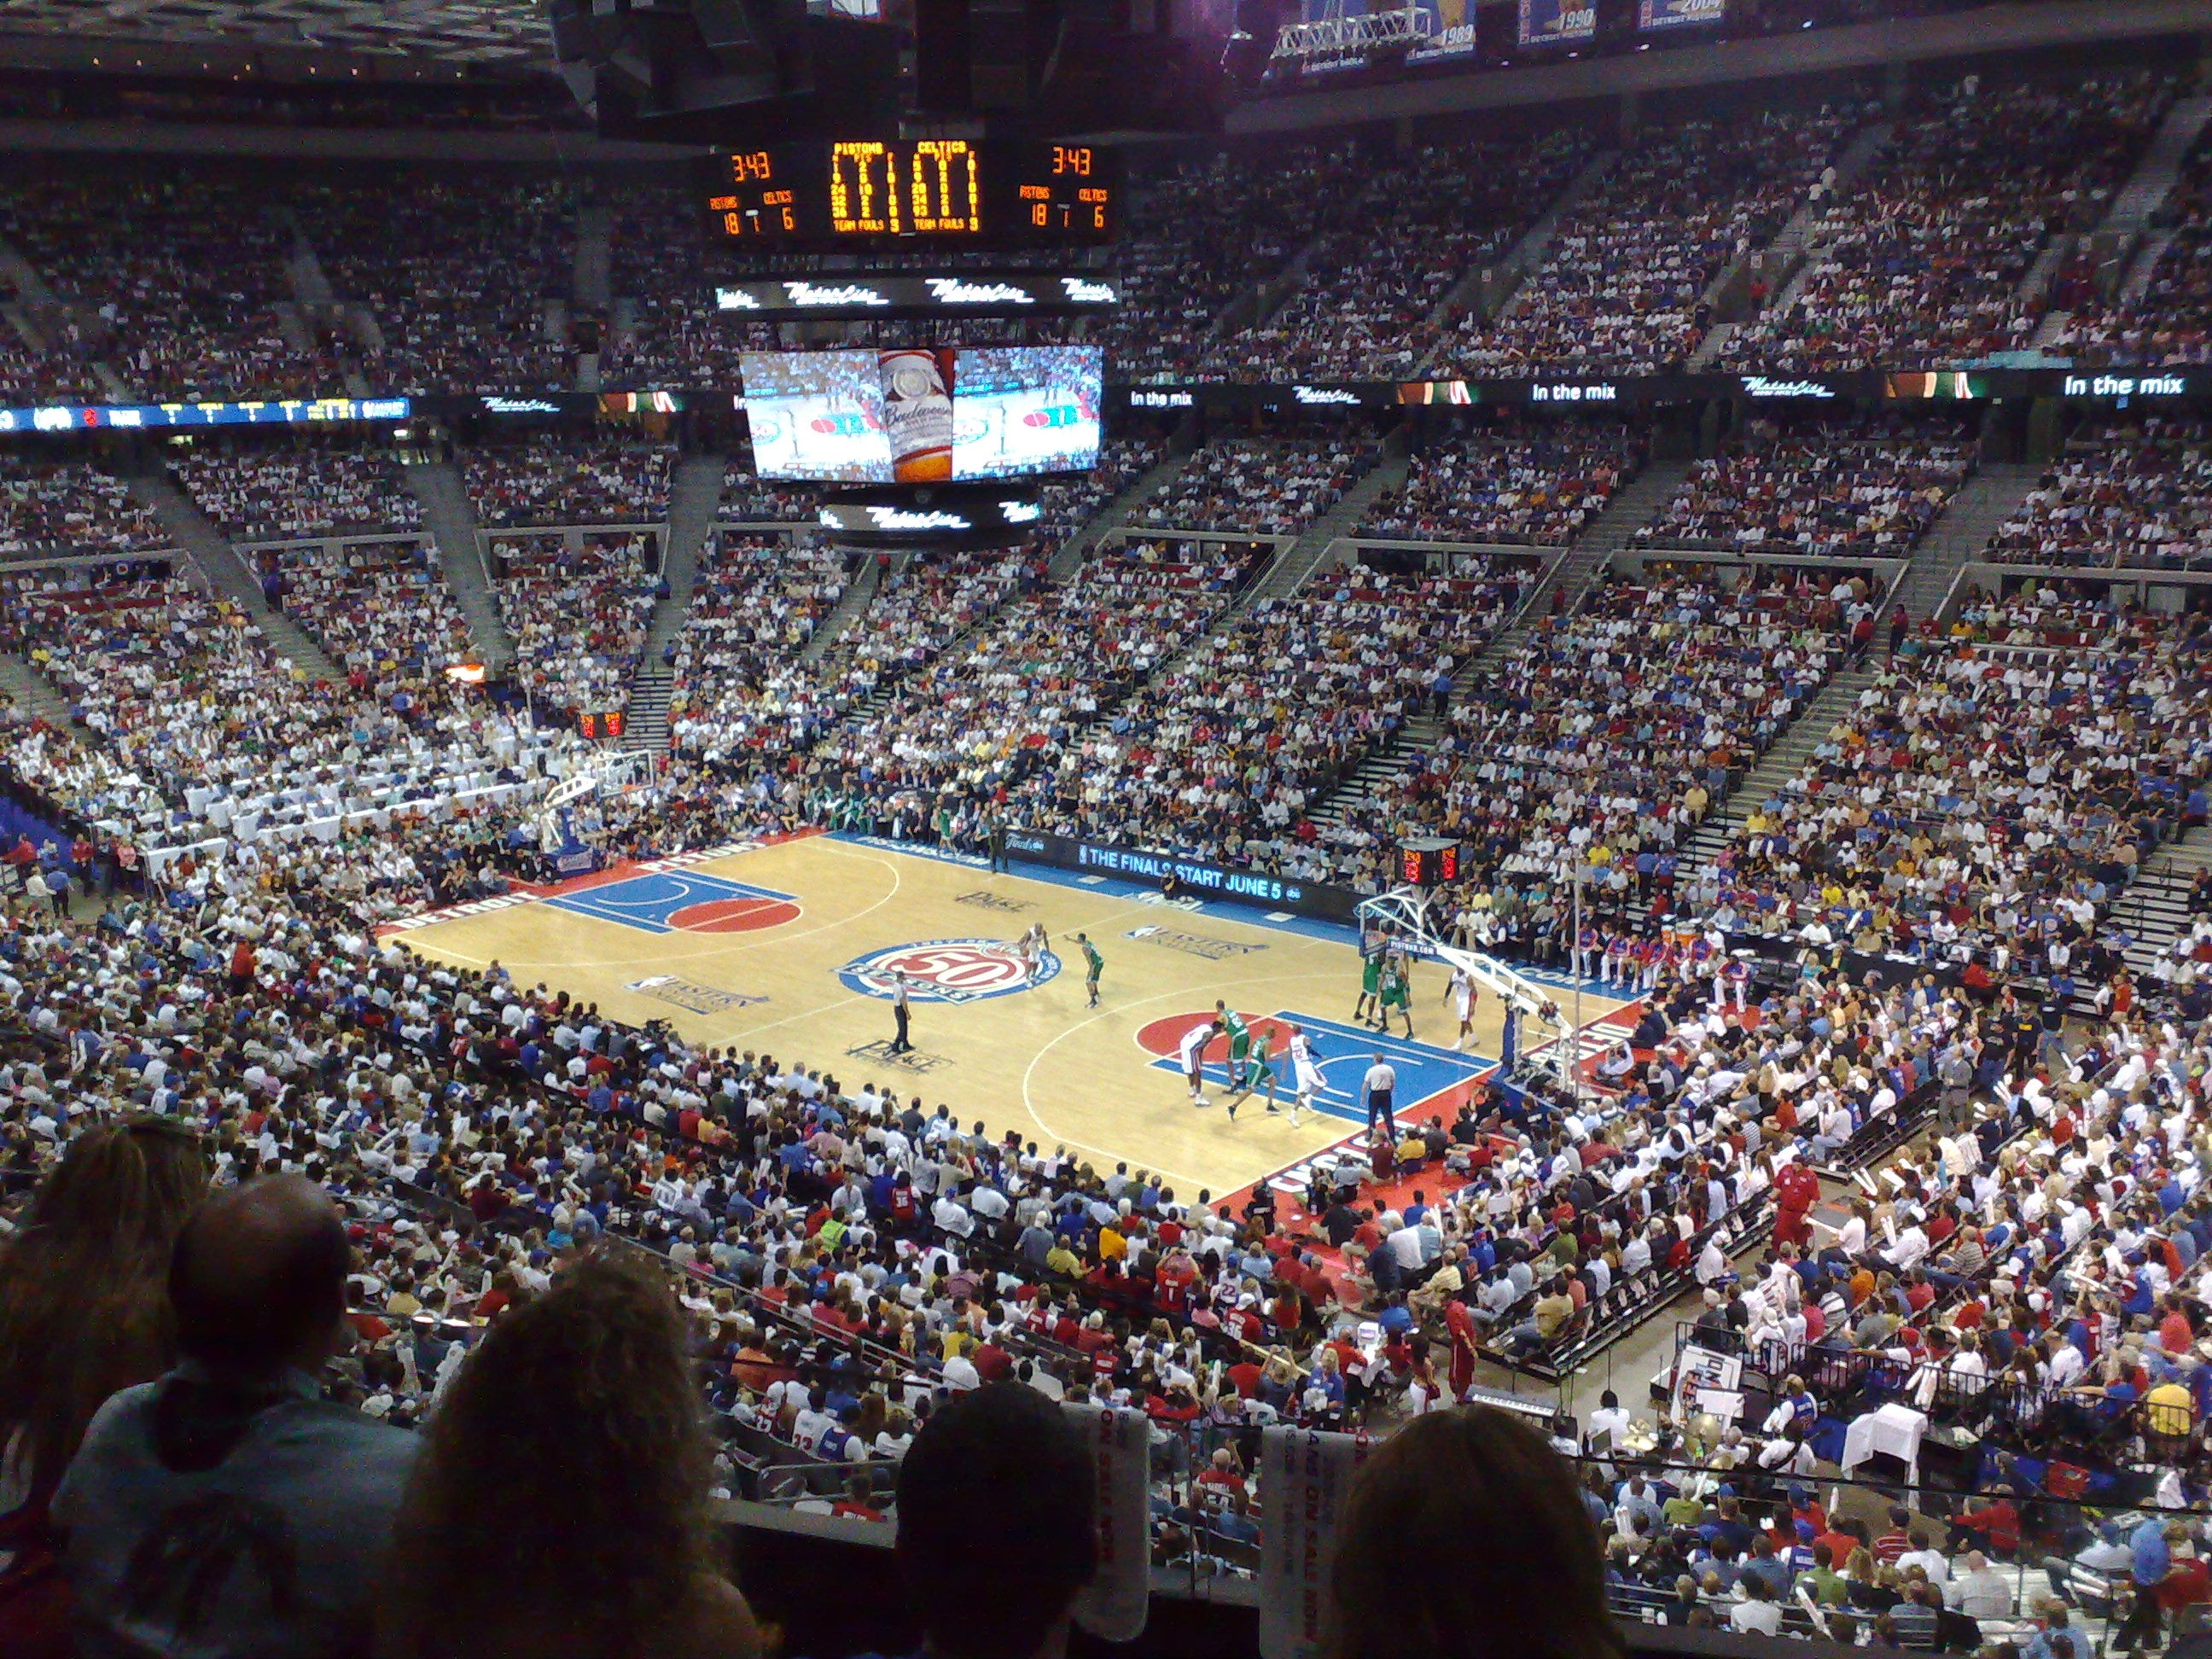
1404,912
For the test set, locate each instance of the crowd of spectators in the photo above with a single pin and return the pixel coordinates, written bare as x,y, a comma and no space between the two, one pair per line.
381,610
1996,791
206,732
1202,230
1276,485
457,274
2165,324
1374,279
176,273
1621,287
1917,263
662,260
69,506
477,1150
1613,728
849,1264
757,604
29,376
1226,748
1522,482
568,481
578,616
1013,710
748,498
286,495
1831,488
2123,493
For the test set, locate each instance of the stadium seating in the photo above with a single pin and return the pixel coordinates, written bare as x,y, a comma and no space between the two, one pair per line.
569,482
1613,728
1375,277
1917,261
455,276
290,494
757,603
1532,483
1623,279
1201,231
1826,489
578,616
2124,494
174,274
1983,792
1226,750
2166,324
60,507
1275,484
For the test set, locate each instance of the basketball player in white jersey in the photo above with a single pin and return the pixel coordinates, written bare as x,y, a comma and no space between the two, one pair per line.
1193,1052
1463,995
1305,1074
1032,947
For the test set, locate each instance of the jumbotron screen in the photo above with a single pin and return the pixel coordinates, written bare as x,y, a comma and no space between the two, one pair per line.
923,416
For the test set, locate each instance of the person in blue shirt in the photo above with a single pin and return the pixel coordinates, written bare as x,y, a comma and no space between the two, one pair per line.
2150,1558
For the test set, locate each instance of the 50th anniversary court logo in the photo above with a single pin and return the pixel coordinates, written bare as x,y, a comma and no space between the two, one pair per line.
946,970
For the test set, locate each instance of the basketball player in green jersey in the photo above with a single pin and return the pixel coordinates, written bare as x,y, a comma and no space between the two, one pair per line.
1240,1038
1370,980
1093,965
1258,1070
1395,991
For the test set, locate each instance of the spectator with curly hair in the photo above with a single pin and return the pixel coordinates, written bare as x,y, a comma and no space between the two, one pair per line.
82,1313
560,1505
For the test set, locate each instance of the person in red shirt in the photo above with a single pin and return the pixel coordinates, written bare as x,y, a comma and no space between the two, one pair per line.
992,1362
1841,1543
1221,1488
1796,1189
858,1501
2174,1334
1995,1524
1465,1345
1898,1540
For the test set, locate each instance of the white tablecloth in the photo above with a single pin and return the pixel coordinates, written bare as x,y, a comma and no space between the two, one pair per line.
1896,1430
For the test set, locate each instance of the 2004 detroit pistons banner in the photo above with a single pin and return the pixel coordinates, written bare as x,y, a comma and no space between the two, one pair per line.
1678,14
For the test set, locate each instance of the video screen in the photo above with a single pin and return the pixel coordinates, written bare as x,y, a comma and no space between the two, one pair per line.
816,415
922,416
1017,410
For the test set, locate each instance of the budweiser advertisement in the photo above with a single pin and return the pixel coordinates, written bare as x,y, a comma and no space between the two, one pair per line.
920,417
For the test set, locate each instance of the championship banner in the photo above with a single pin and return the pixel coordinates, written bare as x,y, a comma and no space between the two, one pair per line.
1113,1606
1679,14
1557,22
1303,1476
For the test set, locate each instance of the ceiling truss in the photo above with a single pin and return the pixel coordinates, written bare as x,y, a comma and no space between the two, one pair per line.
455,31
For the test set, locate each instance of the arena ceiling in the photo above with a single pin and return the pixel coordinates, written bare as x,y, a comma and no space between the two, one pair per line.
503,31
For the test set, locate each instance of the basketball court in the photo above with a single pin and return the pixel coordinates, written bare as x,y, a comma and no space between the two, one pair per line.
792,947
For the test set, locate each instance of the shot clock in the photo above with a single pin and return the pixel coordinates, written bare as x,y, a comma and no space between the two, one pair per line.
1428,862
937,190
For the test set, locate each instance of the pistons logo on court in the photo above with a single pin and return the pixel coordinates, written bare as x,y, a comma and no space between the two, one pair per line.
947,970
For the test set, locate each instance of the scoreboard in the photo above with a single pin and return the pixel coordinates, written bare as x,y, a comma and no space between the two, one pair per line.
943,189
1428,861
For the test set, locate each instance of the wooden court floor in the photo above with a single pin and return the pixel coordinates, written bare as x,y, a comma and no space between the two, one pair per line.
787,949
